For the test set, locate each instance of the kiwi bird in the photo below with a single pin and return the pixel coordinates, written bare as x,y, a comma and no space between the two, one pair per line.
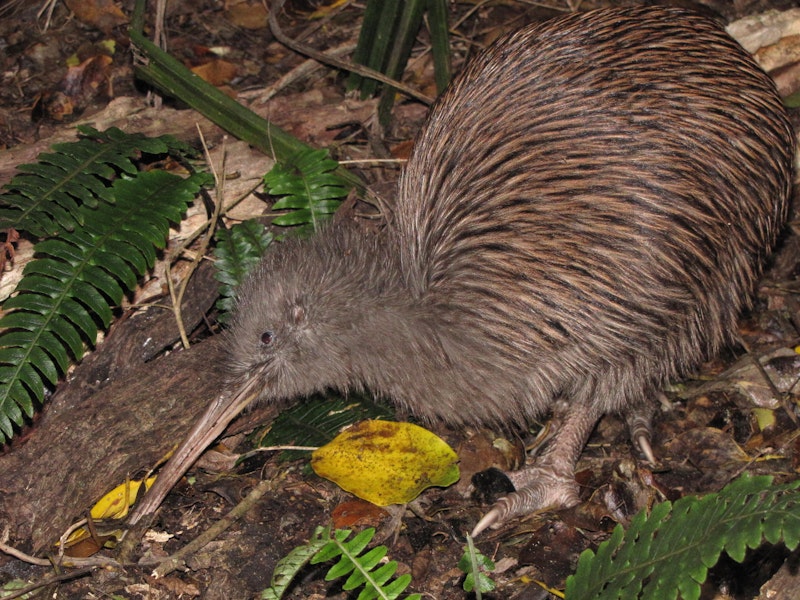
583,216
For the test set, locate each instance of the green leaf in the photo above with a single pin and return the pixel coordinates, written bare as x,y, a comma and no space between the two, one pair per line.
44,198
475,565
377,583
290,565
238,251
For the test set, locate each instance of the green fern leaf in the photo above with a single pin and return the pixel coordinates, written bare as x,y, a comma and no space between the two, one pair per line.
349,551
70,288
360,568
238,250
45,197
668,552
368,562
311,190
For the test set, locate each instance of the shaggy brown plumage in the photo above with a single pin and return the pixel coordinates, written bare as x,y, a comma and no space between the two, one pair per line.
583,216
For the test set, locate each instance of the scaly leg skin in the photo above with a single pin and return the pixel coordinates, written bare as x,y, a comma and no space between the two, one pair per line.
551,481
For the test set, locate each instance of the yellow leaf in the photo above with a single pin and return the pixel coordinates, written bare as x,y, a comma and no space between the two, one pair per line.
385,462
765,418
115,504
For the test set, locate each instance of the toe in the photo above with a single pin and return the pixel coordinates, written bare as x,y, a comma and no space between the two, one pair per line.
543,490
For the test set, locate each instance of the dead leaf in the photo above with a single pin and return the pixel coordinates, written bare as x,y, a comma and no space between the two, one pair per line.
216,72
357,514
247,15
103,14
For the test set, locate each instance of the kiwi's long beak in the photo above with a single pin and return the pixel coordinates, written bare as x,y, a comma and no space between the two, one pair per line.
216,418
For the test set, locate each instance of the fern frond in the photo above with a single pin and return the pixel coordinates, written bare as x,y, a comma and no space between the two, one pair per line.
669,551
377,583
44,198
238,250
70,288
287,567
310,187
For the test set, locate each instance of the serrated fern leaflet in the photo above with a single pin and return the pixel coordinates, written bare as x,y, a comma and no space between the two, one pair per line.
69,290
360,568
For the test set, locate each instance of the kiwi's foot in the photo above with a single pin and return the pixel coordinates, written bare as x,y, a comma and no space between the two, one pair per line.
545,488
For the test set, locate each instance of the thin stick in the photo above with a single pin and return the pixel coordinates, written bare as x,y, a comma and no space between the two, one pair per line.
171,563
219,194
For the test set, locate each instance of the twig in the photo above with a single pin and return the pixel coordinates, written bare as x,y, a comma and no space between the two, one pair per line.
10,550
181,248
303,70
49,581
166,566
219,193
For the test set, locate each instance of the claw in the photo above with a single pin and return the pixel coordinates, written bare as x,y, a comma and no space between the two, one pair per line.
491,519
642,442
545,490
551,482
641,432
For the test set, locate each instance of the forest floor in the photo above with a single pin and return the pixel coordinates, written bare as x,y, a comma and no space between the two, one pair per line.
723,421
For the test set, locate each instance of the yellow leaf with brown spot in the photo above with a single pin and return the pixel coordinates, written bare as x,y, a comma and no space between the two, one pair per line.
386,462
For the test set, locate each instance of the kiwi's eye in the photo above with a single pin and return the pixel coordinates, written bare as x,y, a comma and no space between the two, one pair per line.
267,338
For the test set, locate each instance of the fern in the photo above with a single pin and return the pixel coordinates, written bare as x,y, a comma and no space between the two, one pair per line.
669,551
237,251
310,187
361,571
287,567
77,277
44,199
